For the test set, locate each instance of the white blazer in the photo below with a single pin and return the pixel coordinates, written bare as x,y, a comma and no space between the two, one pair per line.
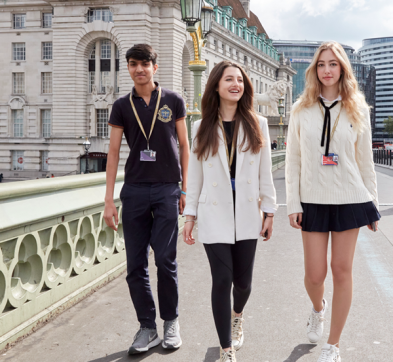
210,197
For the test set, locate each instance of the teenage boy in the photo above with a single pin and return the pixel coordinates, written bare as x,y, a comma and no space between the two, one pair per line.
152,119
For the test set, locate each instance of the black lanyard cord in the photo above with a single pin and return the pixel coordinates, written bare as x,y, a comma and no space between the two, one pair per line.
326,126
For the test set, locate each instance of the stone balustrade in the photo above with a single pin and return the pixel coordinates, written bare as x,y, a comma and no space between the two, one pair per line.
54,248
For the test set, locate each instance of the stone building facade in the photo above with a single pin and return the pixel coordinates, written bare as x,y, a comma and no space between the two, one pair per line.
63,66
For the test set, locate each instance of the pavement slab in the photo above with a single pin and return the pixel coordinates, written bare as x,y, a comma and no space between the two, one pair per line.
101,327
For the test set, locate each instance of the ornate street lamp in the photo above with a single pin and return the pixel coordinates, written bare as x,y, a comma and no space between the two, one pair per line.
281,109
87,145
191,11
197,14
206,18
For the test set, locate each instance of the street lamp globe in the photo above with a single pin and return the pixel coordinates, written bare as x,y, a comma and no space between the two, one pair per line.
191,11
87,144
206,18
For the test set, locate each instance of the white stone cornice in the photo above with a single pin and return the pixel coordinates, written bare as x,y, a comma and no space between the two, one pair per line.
221,33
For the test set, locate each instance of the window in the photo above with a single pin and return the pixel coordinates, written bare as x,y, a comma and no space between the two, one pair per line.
17,120
47,20
18,83
105,81
92,79
46,121
46,80
99,14
19,51
47,50
44,160
102,122
19,21
17,160
105,49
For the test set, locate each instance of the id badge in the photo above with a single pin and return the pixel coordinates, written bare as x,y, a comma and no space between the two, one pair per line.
233,184
330,160
148,155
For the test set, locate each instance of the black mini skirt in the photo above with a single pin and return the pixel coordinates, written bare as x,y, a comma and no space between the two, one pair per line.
325,218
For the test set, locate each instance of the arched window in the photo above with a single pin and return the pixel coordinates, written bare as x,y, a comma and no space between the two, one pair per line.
104,66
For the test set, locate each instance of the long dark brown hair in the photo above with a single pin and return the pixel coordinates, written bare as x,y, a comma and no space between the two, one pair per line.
207,139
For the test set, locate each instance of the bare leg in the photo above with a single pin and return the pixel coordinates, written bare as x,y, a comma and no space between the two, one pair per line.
343,251
315,246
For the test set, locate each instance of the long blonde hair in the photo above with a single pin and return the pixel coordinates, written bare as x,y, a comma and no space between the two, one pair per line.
352,98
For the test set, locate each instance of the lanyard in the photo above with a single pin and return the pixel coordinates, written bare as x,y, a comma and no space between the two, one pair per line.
335,123
229,159
154,117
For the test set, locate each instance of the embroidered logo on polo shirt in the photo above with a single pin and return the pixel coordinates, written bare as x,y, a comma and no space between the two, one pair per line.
165,114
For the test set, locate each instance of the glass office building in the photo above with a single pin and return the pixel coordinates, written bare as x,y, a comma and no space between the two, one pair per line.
379,53
300,53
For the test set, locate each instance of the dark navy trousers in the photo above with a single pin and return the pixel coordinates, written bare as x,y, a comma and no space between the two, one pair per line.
150,218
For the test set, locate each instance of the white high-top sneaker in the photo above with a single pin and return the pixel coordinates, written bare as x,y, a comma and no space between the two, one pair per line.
315,324
227,356
237,331
329,353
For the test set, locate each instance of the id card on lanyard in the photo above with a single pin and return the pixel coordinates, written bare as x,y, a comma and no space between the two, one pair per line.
331,159
147,155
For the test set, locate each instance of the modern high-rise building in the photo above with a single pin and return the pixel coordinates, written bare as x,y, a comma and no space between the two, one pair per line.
300,54
379,53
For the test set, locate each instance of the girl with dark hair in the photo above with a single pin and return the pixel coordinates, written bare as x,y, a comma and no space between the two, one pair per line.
230,182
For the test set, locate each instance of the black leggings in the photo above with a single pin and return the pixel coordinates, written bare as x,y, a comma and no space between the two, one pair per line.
230,264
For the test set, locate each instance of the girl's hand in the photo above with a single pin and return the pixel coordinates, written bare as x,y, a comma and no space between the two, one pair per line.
376,226
267,226
187,233
296,220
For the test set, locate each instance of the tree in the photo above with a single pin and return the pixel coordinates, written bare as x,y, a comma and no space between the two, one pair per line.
388,126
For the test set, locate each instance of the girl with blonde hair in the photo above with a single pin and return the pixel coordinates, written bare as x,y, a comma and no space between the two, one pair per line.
331,184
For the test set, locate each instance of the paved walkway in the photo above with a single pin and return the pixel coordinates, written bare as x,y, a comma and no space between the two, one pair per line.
100,328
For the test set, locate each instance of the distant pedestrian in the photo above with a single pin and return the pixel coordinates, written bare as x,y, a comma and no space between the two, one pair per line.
152,119
52,175
1,177
274,145
331,184
230,170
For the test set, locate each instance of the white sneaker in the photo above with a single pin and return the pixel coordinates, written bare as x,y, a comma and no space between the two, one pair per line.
237,331
315,324
329,353
227,356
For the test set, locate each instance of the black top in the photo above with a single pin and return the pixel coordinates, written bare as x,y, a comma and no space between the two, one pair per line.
163,139
229,129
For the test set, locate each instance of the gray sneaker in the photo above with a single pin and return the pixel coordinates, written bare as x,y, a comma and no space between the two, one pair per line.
144,339
172,338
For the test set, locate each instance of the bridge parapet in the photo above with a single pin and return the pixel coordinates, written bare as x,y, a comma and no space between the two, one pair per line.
54,248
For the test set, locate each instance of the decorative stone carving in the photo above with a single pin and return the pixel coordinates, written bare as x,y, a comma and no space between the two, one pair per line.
17,102
50,256
270,98
102,101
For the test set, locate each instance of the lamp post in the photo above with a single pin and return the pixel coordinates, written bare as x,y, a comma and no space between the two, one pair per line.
87,145
197,14
281,137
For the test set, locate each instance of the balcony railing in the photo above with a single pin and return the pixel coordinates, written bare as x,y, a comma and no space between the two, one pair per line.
383,157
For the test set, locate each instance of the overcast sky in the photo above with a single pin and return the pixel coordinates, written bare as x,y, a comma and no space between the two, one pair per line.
346,21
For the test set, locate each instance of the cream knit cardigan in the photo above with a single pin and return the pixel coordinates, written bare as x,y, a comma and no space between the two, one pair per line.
352,181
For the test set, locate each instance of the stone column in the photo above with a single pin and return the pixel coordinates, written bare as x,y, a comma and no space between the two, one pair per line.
98,65
113,66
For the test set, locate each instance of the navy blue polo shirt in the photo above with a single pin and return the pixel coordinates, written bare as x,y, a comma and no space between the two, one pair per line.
163,140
